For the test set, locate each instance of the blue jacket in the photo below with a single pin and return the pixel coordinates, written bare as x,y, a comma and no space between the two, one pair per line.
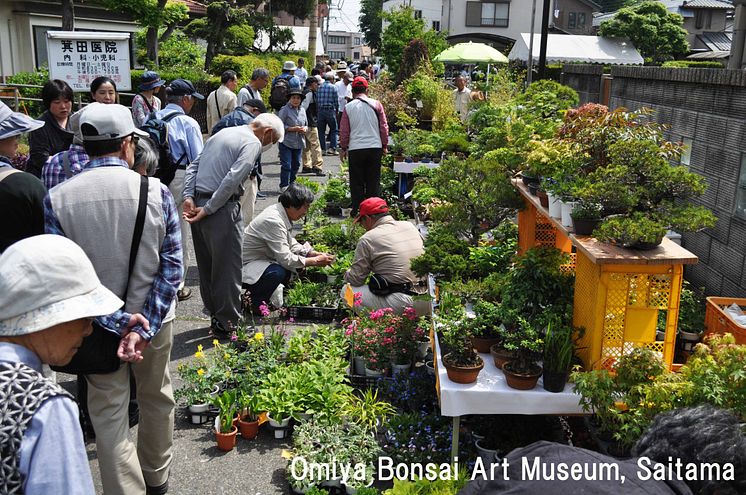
238,116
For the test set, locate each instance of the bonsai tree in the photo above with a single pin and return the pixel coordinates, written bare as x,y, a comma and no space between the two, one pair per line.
527,344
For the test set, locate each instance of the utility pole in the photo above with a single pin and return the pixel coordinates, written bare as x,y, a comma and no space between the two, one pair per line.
736,59
544,37
530,75
313,26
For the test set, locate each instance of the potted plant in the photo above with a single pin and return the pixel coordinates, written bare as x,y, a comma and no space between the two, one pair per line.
367,409
634,231
462,363
225,430
276,396
585,217
248,415
559,349
484,327
523,372
199,384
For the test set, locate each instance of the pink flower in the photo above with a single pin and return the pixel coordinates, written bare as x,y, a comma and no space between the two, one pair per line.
291,320
264,309
357,299
410,313
234,337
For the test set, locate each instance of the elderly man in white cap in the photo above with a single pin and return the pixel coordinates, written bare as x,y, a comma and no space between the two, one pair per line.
97,209
21,194
49,293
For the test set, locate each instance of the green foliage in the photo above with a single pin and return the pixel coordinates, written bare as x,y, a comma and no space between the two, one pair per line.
425,487
640,366
559,348
226,404
371,22
38,78
312,294
525,341
403,28
445,256
657,33
178,53
631,230
584,210
239,39
367,410
547,98
692,307
149,13
424,88
692,64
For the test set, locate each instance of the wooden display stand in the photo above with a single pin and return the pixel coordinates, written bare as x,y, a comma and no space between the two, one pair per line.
618,292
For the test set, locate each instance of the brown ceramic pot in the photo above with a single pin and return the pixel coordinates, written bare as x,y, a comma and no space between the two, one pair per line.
500,355
248,429
462,374
521,381
483,344
226,441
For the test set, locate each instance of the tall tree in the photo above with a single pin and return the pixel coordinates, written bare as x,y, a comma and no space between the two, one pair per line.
371,22
402,29
657,33
152,14
68,15
313,27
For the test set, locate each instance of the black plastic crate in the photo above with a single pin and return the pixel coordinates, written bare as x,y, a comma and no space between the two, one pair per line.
312,313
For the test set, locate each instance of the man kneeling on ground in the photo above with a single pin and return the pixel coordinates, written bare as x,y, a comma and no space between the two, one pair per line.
385,252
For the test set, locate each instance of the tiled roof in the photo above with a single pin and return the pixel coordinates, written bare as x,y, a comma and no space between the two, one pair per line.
716,41
194,7
707,4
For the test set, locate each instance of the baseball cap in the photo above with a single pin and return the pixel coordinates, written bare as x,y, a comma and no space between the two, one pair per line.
46,280
15,123
360,82
372,206
102,122
182,87
256,103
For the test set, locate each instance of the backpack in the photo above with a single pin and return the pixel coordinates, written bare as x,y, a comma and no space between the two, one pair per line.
157,130
278,97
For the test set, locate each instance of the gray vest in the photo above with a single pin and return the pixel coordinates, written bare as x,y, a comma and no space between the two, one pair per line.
97,210
22,391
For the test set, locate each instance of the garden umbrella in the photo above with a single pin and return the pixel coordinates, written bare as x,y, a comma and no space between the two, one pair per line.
472,53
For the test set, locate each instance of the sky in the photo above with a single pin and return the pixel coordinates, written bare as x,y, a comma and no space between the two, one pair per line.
346,17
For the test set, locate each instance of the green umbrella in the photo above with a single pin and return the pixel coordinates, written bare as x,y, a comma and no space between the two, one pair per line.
471,53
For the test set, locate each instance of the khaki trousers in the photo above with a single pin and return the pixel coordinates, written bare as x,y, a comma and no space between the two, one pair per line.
125,467
177,191
312,152
396,301
250,187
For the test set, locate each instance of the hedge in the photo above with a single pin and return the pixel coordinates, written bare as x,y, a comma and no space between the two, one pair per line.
244,65
699,64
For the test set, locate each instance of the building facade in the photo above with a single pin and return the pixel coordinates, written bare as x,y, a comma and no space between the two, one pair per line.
574,16
348,46
431,11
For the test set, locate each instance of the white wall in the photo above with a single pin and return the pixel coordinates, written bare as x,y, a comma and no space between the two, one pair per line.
431,9
454,19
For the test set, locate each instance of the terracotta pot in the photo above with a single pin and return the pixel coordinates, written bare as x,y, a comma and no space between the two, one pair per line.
500,355
543,198
226,441
483,344
521,381
462,374
248,429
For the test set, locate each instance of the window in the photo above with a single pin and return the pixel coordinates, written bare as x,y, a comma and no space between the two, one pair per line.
357,42
703,19
581,20
336,55
572,20
493,14
418,14
686,153
436,25
741,191
356,55
337,40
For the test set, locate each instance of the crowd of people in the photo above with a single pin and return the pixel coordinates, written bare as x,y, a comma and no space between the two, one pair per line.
98,228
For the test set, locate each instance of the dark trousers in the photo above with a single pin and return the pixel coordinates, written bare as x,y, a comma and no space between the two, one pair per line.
328,118
290,160
262,290
365,175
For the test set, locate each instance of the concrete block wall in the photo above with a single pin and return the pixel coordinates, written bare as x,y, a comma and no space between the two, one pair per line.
707,106
585,79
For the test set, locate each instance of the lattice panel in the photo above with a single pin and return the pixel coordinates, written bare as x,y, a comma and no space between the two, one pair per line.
660,291
569,268
546,235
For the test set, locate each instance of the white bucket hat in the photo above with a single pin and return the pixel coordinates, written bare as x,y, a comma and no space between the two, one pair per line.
46,280
289,65
15,123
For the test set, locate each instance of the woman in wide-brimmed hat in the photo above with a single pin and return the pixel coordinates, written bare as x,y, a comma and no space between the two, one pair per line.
146,102
293,116
21,194
49,295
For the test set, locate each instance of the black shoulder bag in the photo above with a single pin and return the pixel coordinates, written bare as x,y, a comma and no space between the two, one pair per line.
98,353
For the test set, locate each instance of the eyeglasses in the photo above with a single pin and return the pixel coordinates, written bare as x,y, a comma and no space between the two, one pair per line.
135,138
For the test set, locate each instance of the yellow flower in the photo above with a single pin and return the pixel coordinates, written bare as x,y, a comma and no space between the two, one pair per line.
259,336
199,354
199,348
226,356
215,342
200,372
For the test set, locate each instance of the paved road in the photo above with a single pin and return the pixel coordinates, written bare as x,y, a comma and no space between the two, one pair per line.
254,467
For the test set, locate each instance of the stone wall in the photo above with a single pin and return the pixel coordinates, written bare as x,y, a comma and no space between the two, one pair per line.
585,79
708,107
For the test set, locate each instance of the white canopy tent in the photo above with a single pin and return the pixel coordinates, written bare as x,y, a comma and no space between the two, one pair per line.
575,48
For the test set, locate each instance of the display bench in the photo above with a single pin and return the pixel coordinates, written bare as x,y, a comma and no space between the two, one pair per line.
619,293
490,394
403,168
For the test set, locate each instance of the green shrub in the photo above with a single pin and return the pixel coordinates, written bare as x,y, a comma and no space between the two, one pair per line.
693,64
178,53
244,65
39,77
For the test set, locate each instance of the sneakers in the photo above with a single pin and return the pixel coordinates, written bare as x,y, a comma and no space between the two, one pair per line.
334,152
283,189
184,293
260,195
307,170
318,173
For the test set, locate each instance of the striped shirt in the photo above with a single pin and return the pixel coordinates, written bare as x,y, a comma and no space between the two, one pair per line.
53,172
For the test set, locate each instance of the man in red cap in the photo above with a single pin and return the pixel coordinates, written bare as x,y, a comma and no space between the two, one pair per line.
364,136
384,253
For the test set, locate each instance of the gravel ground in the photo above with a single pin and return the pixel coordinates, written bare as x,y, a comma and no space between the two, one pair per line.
253,467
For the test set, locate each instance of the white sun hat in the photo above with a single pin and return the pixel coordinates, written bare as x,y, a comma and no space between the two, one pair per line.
46,280
16,123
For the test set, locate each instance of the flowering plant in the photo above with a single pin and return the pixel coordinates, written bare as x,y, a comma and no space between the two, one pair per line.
381,336
199,378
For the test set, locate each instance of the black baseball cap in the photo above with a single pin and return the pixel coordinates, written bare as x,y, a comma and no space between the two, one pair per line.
256,103
182,87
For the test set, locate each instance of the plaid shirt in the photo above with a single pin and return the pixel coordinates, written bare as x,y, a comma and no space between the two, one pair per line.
170,271
53,172
327,97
